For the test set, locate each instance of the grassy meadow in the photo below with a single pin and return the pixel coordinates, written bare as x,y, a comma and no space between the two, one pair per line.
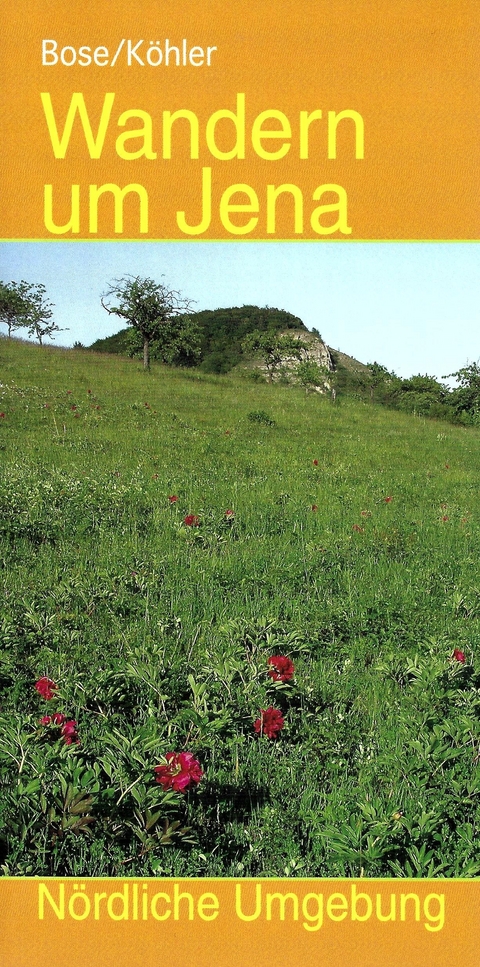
343,536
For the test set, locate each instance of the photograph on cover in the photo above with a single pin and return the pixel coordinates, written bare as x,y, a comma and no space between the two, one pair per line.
239,545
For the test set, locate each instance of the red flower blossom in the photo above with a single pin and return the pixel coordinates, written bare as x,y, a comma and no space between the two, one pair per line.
69,732
447,466
365,513
388,499
68,727
315,463
281,668
46,688
459,656
270,723
181,771
357,529
2,415
444,518
229,514
314,508
191,520
173,499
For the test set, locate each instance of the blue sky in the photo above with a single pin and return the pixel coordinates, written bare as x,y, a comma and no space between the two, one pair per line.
415,307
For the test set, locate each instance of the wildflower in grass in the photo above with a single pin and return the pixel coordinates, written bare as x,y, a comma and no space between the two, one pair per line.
315,463
444,518
68,727
229,515
447,466
173,499
191,520
365,513
388,499
46,688
314,508
270,722
69,732
357,529
459,655
281,668
2,416
181,771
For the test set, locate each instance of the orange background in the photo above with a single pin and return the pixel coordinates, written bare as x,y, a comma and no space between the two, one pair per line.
409,67
27,942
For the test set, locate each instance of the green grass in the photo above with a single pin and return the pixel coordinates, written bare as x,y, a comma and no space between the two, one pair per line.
158,634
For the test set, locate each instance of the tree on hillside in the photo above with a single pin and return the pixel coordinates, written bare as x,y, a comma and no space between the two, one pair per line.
466,396
180,343
24,305
273,349
38,316
11,305
150,308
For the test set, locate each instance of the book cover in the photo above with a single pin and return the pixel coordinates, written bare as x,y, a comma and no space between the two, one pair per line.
238,531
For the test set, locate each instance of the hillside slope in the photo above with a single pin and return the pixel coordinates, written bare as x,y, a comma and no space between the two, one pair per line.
166,537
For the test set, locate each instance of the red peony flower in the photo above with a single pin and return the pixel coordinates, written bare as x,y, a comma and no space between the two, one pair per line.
281,668
444,518
173,499
388,499
191,520
68,727
2,415
314,508
181,771
459,656
46,688
69,732
229,514
270,723
315,463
